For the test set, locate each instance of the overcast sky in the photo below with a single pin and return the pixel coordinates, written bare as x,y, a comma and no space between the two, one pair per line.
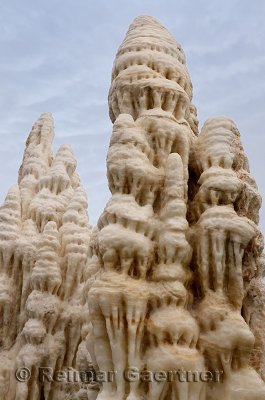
57,56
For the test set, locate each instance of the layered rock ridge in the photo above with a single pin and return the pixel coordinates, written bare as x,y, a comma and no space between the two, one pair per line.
227,256
178,249
44,236
140,302
164,298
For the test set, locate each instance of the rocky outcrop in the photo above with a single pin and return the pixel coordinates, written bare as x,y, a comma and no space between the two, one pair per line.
226,239
171,283
140,302
44,237
164,298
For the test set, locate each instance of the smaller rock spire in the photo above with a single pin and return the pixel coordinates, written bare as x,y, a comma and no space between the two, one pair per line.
37,158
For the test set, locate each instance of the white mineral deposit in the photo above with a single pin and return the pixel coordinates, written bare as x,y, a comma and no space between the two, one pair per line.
170,279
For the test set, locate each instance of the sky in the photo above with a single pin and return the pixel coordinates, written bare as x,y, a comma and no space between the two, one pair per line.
57,56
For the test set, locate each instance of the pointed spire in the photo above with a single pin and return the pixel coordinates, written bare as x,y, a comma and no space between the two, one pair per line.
63,166
149,73
55,189
10,215
37,158
65,156
147,30
37,155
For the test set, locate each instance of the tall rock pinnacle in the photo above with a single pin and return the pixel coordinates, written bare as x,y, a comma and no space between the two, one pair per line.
150,73
164,298
143,291
44,236
172,286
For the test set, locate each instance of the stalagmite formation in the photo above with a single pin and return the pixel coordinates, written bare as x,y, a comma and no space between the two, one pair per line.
140,303
226,242
44,237
164,298
178,242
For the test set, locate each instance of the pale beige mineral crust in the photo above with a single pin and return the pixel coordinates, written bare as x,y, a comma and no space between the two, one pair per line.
178,244
169,282
44,237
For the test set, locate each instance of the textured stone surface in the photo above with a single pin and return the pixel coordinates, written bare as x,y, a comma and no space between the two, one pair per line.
44,236
170,279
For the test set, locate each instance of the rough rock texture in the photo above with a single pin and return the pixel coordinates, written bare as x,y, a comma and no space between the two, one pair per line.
173,272
172,284
227,254
44,236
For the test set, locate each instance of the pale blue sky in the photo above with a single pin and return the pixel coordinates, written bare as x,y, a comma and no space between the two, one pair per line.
57,56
